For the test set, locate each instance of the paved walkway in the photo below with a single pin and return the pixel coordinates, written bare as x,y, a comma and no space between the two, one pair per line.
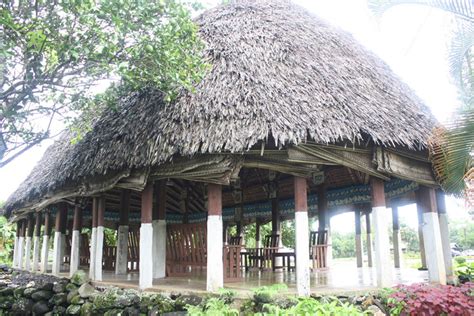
343,277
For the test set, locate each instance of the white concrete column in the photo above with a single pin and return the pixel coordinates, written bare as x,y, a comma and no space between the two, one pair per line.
444,231
146,256
302,237
146,238
159,248
382,246
75,246
358,238
302,253
215,267
28,253
36,254
36,244
426,201
329,253
397,247
380,216
215,244
369,240
57,246
121,260
15,252
99,251
92,251
62,250
21,251
434,248
44,254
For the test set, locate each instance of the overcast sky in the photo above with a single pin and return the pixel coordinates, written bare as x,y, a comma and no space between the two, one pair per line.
412,39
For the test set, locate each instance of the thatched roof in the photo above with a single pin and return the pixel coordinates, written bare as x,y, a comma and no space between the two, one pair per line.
278,72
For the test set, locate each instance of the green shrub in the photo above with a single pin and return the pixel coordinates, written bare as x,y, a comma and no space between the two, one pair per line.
460,260
213,306
465,272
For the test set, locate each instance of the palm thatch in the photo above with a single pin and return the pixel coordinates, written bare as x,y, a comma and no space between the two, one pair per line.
277,73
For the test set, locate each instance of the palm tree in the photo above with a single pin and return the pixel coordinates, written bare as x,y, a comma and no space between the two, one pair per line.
452,147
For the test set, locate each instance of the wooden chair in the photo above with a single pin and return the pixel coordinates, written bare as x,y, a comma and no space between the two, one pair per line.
186,248
262,257
318,244
133,249
84,250
235,241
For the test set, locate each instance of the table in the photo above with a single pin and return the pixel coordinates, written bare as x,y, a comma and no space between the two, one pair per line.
286,260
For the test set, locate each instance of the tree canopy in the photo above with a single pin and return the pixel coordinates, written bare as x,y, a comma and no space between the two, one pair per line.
55,56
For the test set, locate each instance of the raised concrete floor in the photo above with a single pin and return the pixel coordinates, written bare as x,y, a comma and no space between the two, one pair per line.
343,277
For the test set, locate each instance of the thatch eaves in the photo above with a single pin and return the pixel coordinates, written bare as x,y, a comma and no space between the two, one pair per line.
277,72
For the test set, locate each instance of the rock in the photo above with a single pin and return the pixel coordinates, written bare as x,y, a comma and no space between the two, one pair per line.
59,310
18,292
71,287
179,313
131,311
113,312
86,309
22,306
59,287
77,300
59,299
42,295
28,291
6,291
71,294
73,309
86,290
47,286
79,278
40,308
127,298
184,300
375,310
6,302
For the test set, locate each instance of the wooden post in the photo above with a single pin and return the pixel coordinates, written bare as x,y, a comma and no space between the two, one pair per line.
382,242
76,239
369,239
36,243
215,280
257,233
121,258
397,249
302,237
358,238
159,231
444,230
146,238
431,234
46,236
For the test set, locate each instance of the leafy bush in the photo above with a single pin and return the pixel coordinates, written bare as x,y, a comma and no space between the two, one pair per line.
465,272
424,299
7,240
460,260
311,306
212,306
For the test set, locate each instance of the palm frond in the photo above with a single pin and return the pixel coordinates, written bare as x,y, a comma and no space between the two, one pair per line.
452,151
461,8
461,59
